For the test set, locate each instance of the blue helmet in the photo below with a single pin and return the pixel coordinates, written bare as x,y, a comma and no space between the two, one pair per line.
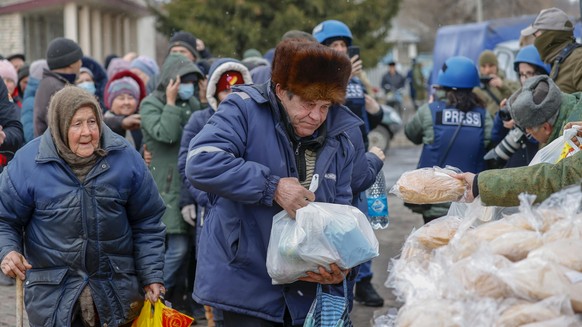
458,72
530,55
332,29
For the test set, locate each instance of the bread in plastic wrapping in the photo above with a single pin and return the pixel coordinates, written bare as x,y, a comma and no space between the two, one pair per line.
563,321
434,313
450,264
492,230
428,186
537,279
564,229
566,252
438,232
516,245
524,312
479,275
542,221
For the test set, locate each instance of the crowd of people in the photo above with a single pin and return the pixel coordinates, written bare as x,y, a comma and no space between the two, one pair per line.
163,180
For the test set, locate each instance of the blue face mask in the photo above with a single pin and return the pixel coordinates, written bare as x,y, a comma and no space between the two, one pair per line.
186,91
87,86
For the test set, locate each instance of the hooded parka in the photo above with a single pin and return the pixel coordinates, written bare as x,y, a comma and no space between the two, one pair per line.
162,127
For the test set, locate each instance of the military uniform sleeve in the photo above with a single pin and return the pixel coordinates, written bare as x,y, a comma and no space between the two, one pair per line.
501,187
419,129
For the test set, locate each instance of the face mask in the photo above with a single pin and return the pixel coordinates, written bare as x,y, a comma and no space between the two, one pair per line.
87,86
186,91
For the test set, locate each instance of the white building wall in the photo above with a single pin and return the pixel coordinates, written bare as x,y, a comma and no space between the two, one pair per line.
11,39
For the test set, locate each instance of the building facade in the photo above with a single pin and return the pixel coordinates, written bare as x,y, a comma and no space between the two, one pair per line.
100,27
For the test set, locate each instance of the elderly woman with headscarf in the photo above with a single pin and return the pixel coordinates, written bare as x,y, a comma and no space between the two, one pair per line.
82,205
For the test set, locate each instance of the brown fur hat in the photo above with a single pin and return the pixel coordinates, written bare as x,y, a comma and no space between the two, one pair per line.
311,70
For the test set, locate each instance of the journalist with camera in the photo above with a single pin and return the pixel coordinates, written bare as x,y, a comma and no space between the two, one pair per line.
514,148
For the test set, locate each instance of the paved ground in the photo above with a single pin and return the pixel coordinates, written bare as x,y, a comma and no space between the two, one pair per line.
401,157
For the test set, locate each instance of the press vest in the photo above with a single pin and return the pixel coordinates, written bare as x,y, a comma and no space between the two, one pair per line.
467,149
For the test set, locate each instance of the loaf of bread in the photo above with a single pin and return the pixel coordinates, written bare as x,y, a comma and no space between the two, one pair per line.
436,313
438,232
525,312
537,279
516,245
564,252
429,185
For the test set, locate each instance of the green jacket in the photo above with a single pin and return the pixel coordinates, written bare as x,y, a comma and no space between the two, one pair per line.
162,126
503,92
419,82
500,187
570,110
569,78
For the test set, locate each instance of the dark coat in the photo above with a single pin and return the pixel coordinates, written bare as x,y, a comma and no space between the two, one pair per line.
11,126
105,233
238,158
49,85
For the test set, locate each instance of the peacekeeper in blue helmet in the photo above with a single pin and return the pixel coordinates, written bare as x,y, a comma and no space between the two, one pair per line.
337,35
455,128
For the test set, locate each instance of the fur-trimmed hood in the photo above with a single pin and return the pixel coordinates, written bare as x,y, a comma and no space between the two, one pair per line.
218,68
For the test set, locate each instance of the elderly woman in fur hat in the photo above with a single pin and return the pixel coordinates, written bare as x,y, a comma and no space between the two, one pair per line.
80,232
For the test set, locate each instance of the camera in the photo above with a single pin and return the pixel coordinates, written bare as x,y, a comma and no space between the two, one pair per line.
504,114
507,147
485,80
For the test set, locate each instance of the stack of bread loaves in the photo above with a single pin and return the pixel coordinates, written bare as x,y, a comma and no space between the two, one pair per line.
522,270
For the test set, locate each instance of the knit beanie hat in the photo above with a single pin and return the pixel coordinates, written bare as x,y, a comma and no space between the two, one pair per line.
146,65
37,67
124,85
311,70
116,65
185,40
16,55
488,57
252,53
86,70
538,100
62,52
7,70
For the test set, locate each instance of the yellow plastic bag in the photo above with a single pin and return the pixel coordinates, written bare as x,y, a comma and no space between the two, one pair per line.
161,316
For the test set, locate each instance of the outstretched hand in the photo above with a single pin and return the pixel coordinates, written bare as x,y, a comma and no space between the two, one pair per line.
468,178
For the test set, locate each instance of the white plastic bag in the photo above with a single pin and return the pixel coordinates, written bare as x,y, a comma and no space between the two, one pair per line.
558,149
321,234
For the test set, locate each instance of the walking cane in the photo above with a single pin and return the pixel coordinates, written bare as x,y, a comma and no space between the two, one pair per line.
19,303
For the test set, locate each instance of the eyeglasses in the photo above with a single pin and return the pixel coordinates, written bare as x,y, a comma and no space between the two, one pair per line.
526,75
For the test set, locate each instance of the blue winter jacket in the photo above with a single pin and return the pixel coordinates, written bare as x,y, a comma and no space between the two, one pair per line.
238,158
105,232
194,125
28,108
